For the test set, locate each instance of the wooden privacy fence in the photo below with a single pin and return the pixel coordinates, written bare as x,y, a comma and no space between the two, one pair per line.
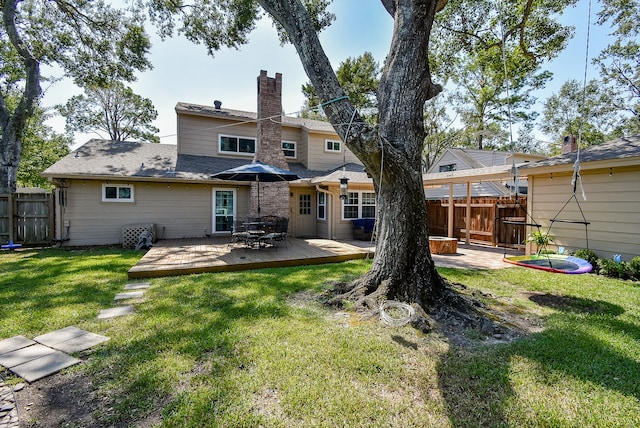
492,220
29,215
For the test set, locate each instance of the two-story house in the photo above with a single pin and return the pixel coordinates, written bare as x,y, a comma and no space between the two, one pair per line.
105,188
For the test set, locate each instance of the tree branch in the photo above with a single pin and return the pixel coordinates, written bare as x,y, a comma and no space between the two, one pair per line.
294,18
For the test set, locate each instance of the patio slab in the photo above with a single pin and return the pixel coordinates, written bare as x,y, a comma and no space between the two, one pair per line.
129,295
137,286
14,343
70,339
115,312
44,366
24,355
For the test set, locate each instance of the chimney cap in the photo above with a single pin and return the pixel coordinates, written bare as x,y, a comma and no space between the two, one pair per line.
217,104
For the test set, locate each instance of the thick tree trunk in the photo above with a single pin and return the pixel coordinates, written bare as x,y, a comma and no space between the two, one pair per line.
14,123
391,152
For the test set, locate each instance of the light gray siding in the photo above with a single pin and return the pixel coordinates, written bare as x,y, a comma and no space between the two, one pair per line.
321,160
179,210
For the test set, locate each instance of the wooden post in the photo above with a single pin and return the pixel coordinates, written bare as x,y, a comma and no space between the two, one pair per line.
468,215
450,213
11,211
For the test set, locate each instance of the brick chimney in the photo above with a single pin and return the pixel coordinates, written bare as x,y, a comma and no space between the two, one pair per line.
569,144
274,197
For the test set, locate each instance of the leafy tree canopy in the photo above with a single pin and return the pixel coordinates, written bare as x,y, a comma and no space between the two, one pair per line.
113,110
359,77
619,62
579,110
492,53
90,40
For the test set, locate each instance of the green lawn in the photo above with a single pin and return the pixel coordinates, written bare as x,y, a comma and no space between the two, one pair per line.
255,348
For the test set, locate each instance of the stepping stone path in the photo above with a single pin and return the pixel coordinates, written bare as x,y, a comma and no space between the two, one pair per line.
132,291
48,353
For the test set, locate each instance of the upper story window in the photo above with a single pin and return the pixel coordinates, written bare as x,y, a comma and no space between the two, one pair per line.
117,193
235,144
447,168
289,149
332,146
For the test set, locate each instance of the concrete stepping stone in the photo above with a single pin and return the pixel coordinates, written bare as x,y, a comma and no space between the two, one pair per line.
44,366
137,286
13,343
70,339
129,295
24,355
115,312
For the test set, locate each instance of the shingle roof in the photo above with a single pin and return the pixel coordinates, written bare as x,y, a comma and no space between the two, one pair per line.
298,122
128,159
354,172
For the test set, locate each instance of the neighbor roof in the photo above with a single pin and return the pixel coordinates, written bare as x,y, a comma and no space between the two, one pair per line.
225,113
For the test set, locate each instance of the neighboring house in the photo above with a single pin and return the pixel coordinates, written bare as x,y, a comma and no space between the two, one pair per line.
458,159
610,178
105,188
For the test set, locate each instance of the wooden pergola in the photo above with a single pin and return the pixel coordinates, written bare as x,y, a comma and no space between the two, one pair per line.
468,177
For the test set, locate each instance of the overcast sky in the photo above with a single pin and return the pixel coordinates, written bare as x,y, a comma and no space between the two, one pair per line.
183,72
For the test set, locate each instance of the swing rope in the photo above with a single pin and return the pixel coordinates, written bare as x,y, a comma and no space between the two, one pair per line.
514,168
576,178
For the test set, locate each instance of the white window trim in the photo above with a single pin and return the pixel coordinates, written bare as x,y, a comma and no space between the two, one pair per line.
213,208
360,205
320,205
332,150
117,186
237,153
295,149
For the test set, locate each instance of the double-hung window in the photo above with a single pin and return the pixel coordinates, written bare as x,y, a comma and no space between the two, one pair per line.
117,193
359,205
332,146
237,145
289,149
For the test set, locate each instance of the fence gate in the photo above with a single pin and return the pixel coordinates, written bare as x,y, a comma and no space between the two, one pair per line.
29,214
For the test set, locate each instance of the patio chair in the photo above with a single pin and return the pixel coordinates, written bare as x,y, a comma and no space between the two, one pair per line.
279,233
239,233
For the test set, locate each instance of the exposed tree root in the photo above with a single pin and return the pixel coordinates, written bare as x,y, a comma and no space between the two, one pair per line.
454,314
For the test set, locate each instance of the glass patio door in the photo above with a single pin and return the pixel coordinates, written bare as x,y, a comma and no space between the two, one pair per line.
224,209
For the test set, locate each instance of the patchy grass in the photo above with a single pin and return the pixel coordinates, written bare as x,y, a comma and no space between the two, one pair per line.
255,348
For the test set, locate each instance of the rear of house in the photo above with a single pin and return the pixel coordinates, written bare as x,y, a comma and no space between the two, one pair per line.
106,190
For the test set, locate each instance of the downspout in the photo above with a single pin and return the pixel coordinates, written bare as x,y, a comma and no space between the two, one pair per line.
329,217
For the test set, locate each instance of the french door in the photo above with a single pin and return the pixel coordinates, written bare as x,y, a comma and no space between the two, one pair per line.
224,210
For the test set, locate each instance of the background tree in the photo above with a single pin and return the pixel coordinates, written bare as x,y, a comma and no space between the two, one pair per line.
113,110
41,148
359,78
391,150
619,62
439,131
475,40
565,113
91,42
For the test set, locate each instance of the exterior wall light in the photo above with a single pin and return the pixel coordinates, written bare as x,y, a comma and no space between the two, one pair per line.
344,188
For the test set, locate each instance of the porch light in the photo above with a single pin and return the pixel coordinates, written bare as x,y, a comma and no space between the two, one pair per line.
344,188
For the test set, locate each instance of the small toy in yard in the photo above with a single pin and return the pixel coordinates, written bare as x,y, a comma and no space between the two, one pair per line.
11,246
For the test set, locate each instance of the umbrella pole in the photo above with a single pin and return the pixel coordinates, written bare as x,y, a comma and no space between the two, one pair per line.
258,180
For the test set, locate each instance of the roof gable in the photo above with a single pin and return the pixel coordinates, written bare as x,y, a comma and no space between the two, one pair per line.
238,115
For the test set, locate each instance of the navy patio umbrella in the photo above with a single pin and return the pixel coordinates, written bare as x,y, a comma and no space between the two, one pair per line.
258,172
